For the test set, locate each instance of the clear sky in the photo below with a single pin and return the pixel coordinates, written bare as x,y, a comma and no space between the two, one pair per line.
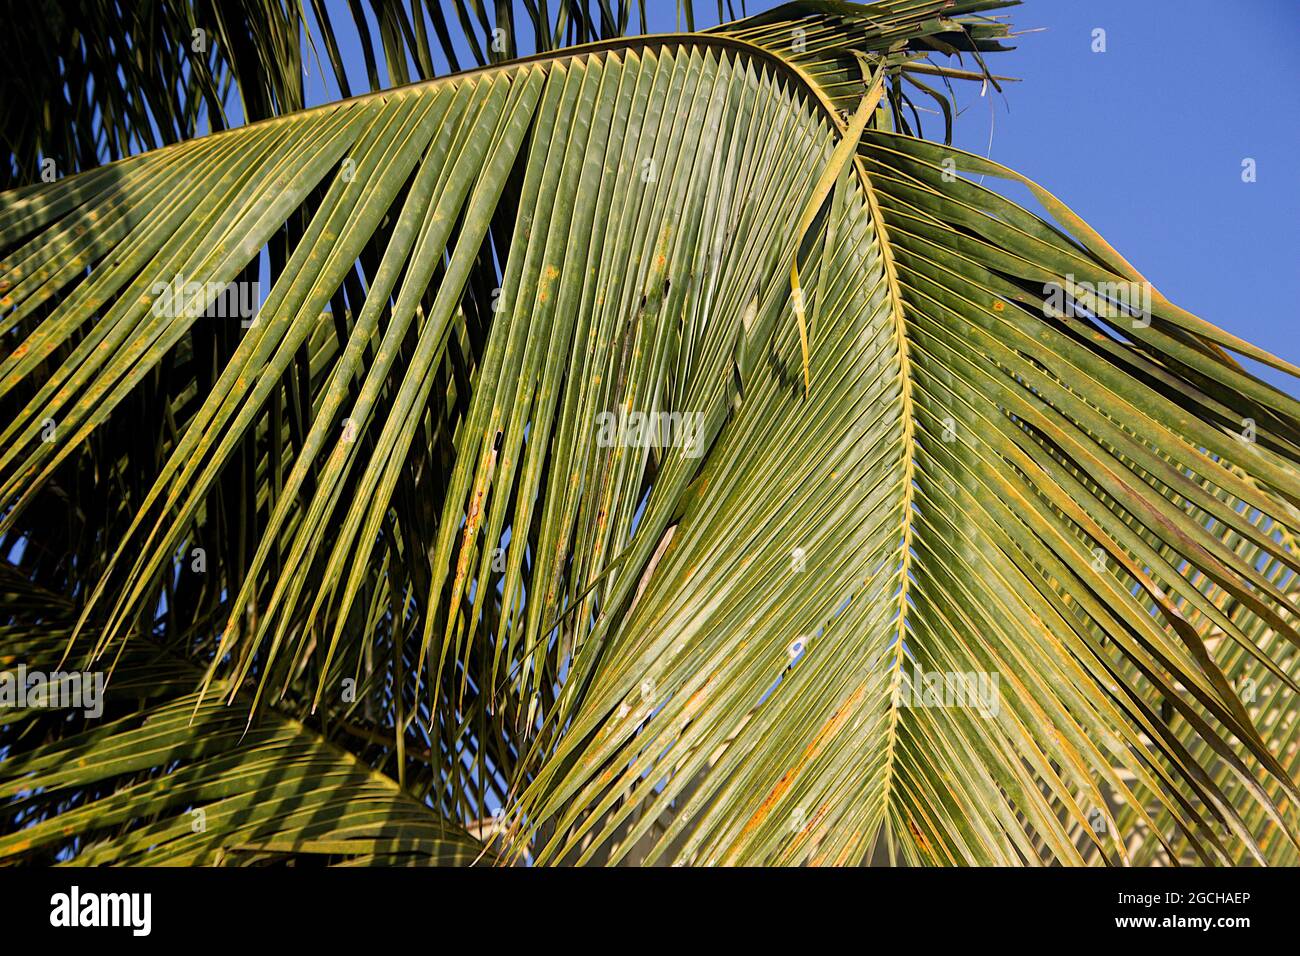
1145,141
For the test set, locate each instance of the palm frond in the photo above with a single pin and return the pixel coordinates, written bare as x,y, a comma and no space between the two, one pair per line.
164,778
655,435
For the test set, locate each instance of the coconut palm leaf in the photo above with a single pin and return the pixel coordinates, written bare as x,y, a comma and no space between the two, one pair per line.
168,779
138,75
660,443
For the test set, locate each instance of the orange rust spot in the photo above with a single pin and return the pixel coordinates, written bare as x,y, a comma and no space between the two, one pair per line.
693,705
921,841
810,752
999,306
549,275
843,858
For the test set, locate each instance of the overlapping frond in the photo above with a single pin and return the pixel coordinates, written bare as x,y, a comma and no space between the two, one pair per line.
155,776
534,469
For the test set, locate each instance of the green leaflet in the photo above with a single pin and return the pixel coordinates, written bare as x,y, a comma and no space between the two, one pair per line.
523,492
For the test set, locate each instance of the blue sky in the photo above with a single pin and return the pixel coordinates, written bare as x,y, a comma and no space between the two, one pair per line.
1145,141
